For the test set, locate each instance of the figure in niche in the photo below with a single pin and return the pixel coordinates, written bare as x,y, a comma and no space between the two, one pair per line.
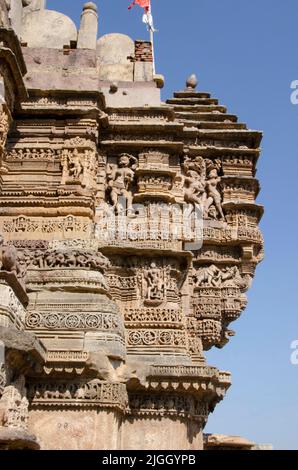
14,405
72,163
120,181
75,165
195,181
154,285
213,195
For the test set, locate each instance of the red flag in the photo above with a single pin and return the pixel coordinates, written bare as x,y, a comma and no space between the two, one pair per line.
142,3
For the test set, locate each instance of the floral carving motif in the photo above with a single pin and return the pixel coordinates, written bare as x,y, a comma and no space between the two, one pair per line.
73,321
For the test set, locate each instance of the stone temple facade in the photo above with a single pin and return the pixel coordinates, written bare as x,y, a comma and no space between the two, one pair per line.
129,236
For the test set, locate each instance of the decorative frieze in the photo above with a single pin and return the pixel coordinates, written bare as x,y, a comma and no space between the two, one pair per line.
74,321
166,404
157,338
45,227
77,393
153,317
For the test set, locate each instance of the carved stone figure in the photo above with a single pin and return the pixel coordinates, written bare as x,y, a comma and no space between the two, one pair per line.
4,126
75,166
208,276
9,260
194,188
96,178
213,194
51,258
72,165
120,179
213,276
201,186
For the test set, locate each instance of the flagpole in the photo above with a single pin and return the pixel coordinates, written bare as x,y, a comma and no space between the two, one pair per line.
152,42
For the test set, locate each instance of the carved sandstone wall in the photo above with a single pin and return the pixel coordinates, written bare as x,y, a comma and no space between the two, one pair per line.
132,225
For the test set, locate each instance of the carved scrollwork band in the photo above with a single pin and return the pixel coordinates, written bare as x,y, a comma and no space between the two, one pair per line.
73,321
51,259
154,316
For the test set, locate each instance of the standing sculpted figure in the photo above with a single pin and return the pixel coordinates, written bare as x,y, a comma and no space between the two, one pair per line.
120,180
154,284
75,165
201,189
213,195
194,181
194,188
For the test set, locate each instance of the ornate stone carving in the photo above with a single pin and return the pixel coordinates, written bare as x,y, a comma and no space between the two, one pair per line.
157,338
120,178
212,276
153,316
4,127
79,167
43,154
201,186
167,404
67,258
74,321
12,261
154,285
14,405
218,299
95,192
2,378
27,226
78,393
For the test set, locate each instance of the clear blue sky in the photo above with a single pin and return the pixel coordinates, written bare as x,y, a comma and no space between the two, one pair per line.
246,54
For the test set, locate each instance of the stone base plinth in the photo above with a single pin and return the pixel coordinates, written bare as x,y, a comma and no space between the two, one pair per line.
88,429
164,433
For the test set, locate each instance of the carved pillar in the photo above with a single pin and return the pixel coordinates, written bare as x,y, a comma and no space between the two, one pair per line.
15,349
77,414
